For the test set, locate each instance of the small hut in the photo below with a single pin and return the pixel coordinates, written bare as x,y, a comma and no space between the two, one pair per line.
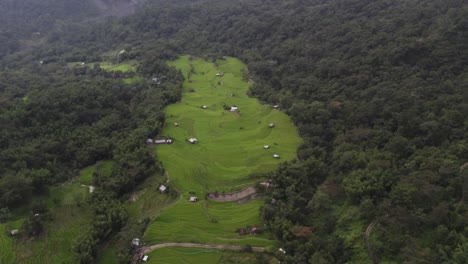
276,156
193,140
163,141
233,109
204,107
193,199
162,188
160,141
266,146
149,141
271,125
14,232
176,124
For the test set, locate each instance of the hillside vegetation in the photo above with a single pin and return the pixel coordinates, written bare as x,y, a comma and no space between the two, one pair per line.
228,155
377,89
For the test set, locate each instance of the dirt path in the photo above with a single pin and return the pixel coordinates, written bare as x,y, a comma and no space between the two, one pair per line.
233,196
194,245
369,250
236,196
146,250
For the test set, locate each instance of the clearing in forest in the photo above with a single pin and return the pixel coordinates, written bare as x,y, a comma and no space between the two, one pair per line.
69,217
227,156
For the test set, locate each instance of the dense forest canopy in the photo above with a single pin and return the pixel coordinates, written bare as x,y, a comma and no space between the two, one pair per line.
376,87
27,23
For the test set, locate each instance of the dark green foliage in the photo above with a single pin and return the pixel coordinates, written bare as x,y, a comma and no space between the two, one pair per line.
64,122
4,214
25,22
109,216
124,239
33,225
376,88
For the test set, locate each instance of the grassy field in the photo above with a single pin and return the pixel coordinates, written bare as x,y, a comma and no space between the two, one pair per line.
123,67
205,256
149,200
148,204
129,66
69,218
228,153
7,253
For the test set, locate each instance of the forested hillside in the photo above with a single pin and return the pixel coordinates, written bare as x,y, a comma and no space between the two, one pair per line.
27,23
376,87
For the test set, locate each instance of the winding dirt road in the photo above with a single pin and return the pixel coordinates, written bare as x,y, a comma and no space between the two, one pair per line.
368,246
194,245
147,249
233,196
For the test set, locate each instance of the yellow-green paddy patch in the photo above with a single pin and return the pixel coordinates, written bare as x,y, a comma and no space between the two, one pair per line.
201,256
230,149
123,67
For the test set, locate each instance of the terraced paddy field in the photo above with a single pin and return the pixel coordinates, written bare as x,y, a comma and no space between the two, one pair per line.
69,217
228,155
197,255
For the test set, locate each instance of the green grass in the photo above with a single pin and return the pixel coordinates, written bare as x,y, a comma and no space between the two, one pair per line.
207,222
56,246
149,202
86,175
70,218
7,254
229,149
202,256
123,67
129,66
126,67
184,256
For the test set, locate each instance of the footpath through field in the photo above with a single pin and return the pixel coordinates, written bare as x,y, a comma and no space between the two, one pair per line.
194,245
148,249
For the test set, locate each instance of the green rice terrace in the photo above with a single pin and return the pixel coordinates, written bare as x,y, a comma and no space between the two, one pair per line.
230,133
197,255
69,216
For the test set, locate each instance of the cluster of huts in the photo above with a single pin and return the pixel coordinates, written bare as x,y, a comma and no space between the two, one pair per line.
163,188
193,140
159,141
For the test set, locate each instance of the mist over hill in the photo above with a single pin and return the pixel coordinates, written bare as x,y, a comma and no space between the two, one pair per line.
26,23
377,89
